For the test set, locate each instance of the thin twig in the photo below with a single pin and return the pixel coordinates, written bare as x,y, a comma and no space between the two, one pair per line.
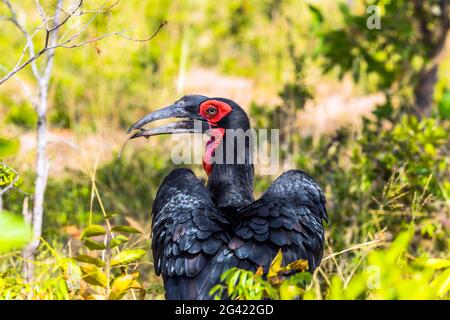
26,90
115,33
29,38
100,10
356,247
51,45
161,25
42,14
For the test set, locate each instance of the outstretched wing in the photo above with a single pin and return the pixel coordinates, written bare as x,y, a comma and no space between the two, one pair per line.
188,230
288,216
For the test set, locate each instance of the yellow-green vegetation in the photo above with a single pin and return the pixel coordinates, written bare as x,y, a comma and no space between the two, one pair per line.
14,232
387,182
390,273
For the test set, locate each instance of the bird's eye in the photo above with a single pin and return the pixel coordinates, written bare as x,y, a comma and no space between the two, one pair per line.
211,111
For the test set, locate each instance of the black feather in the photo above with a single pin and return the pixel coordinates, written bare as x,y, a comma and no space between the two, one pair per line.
195,239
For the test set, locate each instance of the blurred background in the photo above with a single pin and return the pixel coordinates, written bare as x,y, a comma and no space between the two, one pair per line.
365,111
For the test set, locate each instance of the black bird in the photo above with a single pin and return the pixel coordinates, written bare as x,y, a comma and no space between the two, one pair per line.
200,231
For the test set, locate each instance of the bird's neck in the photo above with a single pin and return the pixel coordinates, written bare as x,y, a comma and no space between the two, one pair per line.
231,185
231,174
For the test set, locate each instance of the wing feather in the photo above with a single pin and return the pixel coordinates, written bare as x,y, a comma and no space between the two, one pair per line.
194,242
289,216
188,231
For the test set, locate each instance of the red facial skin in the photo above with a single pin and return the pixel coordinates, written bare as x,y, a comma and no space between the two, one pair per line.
221,109
216,138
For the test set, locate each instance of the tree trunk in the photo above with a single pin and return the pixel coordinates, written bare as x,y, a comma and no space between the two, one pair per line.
424,91
42,165
433,39
40,182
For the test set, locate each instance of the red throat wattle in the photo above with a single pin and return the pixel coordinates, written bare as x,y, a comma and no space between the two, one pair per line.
213,111
215,140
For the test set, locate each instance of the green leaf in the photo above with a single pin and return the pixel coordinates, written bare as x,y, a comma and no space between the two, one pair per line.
94,275
443,283
438,263
14,232
316,13
289,291
112,214
8,147
345,10
233,282
125,229
88,259
444,106
7,176
118,240
127,256
121,285
94,245
92,230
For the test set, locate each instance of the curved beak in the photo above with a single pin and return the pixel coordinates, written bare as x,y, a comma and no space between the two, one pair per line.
185,126
186,108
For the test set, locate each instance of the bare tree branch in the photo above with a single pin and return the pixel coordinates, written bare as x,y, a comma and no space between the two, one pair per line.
42,163
29,38
57,34
100,10
25,88
42,14
161,25
52,43
115,33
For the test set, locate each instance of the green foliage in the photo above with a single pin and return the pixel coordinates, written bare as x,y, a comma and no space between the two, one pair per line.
393,275
92,230
104,266
131,196
22,115
7,175
8,147
444,106
144,172
377,180
390,172
73,205
285,283
57,276
383,58
126,256
421,146
14,232
295,94
390,273
107,275
246,285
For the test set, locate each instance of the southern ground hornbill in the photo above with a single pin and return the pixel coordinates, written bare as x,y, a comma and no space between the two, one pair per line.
199,231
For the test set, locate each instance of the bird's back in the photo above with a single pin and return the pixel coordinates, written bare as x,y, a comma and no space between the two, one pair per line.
194,242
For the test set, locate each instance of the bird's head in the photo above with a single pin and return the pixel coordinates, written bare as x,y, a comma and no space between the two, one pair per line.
200,114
